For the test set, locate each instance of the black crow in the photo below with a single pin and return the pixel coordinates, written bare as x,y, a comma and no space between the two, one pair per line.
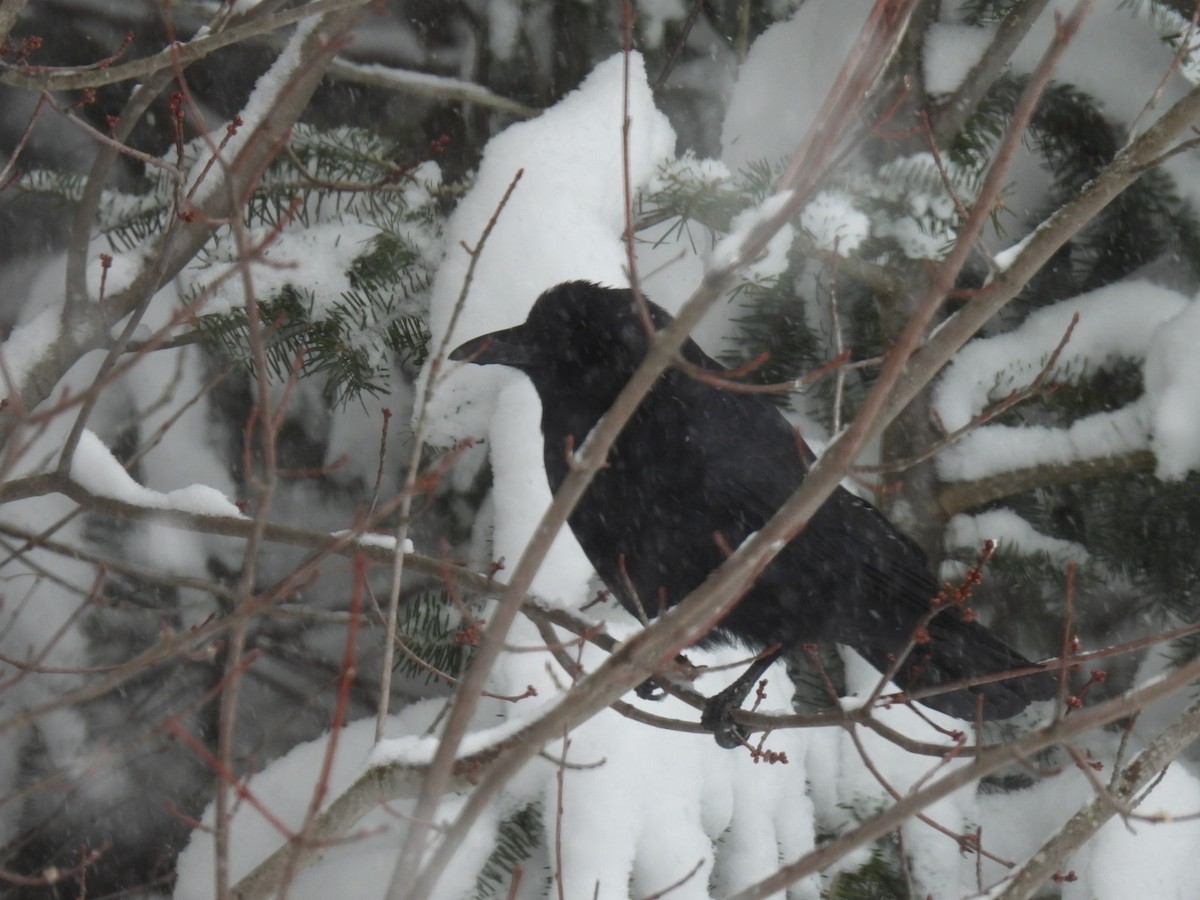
696,470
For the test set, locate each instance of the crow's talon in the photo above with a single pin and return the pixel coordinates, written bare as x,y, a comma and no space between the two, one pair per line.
718,718
649,690
718,711
728,739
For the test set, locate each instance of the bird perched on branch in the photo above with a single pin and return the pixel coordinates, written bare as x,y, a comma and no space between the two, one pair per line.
696,470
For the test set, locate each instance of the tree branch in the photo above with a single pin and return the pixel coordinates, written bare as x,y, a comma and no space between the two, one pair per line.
50,79
1144,767
984,73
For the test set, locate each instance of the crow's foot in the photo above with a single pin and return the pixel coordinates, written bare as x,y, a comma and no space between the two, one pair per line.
649,690
718,711
718,718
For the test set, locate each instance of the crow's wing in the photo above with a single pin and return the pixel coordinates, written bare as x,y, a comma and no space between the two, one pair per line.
849,576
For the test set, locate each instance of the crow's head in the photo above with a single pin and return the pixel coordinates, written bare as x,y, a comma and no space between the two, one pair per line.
577,335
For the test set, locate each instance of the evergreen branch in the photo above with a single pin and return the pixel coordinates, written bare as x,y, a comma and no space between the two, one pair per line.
961,496
516,839
886,280
1067,221
182,240
1015,397
344,343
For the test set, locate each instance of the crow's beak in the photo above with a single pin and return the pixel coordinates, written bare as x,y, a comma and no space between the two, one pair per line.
503,348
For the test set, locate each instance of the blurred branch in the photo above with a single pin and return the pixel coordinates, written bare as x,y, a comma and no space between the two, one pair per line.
212,40
438,359
983,74
9,11
67,79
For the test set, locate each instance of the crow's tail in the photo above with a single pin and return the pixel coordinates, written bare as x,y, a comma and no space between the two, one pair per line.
958,650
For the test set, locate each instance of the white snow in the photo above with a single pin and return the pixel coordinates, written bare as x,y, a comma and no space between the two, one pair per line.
1006,257
257,108
653,17
562,222
285,789
1005,527
94,467
950,52
927,216
833,222
773,259
370,539
1173,391
25,345
1118,322
784,81
993,449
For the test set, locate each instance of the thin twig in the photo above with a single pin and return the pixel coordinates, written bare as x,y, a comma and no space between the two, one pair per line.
959,839
73,79
414,464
